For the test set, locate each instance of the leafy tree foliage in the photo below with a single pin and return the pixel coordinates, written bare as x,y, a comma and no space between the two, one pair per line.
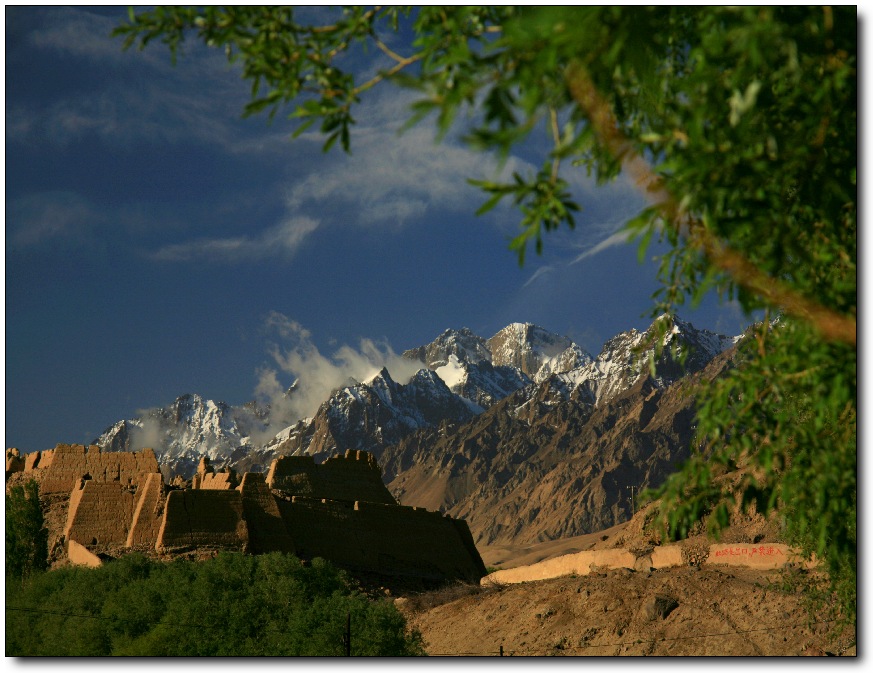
26,534
232,605
739,123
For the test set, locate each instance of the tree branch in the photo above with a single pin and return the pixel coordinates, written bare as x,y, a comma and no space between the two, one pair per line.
832,326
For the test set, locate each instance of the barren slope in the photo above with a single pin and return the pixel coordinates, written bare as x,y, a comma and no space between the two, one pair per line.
727,612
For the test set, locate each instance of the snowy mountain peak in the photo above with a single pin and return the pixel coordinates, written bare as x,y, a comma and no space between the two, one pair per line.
184,430
463,344
463,374
380,378
526,346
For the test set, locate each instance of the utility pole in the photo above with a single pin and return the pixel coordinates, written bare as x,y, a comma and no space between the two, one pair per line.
347,636
633,504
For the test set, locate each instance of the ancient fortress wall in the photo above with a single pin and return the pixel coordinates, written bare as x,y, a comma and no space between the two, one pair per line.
389,539
148,514
340,511
99,514
63,467
216,481
82,556
209,519
14,461
31,462
353,476
267,531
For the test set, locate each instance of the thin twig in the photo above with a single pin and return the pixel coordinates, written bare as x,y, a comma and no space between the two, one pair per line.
388,73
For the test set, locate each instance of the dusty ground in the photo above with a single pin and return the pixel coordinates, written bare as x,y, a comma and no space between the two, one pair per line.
688,611
726,612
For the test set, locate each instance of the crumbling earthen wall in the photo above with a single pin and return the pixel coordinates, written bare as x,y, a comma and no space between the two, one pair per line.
217,481
46,458
388,539
267,531
353,476
14,461
70,463
148,514
99,514
198,518
32,461
82,556
118,500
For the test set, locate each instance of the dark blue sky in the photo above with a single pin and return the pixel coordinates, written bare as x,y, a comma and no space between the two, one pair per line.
157,243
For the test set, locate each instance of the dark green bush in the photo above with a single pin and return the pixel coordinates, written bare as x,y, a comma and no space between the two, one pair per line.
26,534
232,605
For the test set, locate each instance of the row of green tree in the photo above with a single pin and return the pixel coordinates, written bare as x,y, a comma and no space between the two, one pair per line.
231,605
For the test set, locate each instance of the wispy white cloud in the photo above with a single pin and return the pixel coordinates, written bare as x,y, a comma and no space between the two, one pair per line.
139,94
39,217
77,33
393,178
618,238
542,271
315,375
283,240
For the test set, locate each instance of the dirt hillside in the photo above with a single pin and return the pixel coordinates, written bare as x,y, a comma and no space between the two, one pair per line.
691,610
688,611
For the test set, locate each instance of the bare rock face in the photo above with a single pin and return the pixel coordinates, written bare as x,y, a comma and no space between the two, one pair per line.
537,466
373,414
463,344
526,346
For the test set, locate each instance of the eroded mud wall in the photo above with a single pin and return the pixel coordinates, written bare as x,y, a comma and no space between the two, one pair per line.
267,531
351,477
203,519
67,464
100,514
388,539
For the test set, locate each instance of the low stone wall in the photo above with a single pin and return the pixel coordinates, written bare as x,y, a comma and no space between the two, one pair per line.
768,556
207,519
351,477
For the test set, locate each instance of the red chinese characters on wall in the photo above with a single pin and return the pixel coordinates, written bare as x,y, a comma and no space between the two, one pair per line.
762,550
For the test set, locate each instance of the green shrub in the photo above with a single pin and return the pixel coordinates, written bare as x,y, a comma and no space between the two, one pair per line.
26,534
232,605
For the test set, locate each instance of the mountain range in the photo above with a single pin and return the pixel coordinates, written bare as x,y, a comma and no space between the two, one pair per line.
524,434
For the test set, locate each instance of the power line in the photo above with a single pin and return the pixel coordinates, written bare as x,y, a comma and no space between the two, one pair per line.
493,653
634,642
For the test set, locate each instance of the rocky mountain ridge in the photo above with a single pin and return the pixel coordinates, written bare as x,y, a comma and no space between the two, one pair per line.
525,434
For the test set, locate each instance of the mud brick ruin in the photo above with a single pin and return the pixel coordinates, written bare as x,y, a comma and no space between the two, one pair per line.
339,510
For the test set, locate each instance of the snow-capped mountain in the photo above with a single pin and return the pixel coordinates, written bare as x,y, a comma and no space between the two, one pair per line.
462,375
529,348
485,371
480,382
374,414
629,354
462,344
183,431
